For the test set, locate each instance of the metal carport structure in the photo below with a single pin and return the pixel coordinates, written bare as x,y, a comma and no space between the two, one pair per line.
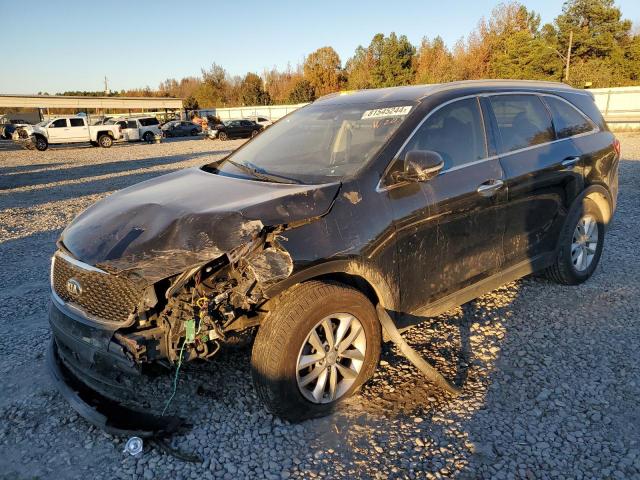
102,104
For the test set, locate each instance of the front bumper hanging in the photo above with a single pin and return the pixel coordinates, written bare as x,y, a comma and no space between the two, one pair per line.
103,412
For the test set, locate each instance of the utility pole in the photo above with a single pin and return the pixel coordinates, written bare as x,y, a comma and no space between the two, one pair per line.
106,86
566,73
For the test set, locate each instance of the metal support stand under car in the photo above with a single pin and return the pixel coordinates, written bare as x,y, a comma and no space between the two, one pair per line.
414,357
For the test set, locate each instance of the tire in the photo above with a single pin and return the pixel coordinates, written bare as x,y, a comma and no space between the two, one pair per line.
105,141
148,137
284,339
569,267
254,133
194,132
223,136
41,143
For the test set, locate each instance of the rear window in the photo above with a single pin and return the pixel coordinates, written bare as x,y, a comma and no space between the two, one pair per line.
566,119
148,122
76,122
523,121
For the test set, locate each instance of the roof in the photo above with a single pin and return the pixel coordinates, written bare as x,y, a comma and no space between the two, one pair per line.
415,93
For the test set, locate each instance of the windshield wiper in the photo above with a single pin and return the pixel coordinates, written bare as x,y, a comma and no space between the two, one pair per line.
263,174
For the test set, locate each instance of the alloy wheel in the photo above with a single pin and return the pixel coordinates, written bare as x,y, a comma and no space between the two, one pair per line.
584,243
331,358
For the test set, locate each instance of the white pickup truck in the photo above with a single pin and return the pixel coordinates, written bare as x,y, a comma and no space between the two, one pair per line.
72,130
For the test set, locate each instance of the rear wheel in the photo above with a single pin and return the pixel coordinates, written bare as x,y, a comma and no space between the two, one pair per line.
41,143
194,132
148,137
581,243
254,133
105,141
318,345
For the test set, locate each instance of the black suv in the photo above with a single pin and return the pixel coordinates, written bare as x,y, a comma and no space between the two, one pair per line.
414,198
234,129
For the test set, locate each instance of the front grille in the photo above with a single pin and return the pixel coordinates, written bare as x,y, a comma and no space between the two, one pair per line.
105,297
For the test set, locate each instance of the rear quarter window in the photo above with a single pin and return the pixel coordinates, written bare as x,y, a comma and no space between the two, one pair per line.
567,120
523,121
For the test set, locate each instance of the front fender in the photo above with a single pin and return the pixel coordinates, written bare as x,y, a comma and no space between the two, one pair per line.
385,289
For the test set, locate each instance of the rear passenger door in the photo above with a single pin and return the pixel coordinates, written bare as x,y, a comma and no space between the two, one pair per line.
79,131
450,235
542,176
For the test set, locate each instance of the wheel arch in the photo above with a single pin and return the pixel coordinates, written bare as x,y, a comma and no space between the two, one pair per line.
365,278
600,195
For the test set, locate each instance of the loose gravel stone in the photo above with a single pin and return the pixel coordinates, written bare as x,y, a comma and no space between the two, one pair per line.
551,374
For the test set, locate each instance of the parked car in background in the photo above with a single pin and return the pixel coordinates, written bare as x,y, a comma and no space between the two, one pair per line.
264,121
9,125
72,130
137,128
410,200
180,128
234,129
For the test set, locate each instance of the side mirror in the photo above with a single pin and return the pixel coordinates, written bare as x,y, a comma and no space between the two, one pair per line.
419,166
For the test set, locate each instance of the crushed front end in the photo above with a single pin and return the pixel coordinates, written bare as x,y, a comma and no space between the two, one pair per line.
109,329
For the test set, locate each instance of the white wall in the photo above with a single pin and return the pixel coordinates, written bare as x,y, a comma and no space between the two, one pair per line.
272,112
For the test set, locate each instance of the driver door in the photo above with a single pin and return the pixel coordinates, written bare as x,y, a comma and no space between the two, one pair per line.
59,131
449,228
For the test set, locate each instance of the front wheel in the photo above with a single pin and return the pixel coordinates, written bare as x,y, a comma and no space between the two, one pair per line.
194,132
222,136
254,133
105,141
581,243
148,137
317,346
41,143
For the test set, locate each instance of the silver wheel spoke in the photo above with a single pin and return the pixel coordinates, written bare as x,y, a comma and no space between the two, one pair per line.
328,331
315,341
343,328
333,382
355,331
308,360
353,353
315,373
347,372
318,391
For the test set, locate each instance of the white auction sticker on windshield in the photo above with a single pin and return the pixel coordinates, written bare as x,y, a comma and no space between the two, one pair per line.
387,112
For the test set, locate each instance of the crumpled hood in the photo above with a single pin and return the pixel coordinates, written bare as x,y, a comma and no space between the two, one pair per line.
171,223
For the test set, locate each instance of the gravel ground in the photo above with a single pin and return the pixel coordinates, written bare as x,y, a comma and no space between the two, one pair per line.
551,374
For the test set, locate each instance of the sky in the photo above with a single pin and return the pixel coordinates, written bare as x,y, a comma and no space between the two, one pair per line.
61,45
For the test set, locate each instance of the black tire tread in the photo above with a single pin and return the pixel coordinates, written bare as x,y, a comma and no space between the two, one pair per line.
283,318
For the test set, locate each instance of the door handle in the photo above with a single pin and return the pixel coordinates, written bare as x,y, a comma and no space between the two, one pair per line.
490,188
570,161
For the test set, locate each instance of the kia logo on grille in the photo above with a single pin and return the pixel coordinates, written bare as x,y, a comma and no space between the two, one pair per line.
74,287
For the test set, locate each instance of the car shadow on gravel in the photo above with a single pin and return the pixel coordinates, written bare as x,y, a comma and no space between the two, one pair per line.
87,171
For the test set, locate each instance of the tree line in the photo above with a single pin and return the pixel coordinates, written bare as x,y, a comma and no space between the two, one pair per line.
510,43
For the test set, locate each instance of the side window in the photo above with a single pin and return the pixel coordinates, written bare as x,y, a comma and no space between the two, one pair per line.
76,122
523,121
60,123
132,124
455,131
566,119
147,122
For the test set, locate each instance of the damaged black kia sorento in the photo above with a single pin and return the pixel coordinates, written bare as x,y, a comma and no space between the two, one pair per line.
414,199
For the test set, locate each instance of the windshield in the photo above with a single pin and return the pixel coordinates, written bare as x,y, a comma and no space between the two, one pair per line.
319,143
